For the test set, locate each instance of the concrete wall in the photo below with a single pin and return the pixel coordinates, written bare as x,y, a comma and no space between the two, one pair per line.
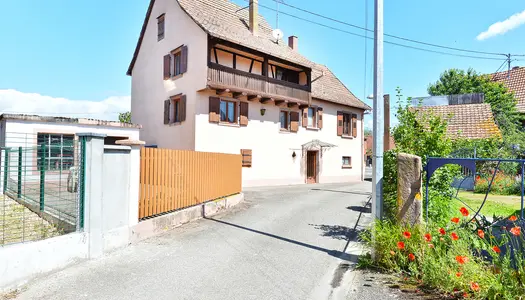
110,211
272,161
149,90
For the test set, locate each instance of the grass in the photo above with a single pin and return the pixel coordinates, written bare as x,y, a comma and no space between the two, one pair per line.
498,205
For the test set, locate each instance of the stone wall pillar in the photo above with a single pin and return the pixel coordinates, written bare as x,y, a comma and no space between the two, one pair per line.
409,188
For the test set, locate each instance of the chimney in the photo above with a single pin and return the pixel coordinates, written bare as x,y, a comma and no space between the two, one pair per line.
515,68
293,42
254,14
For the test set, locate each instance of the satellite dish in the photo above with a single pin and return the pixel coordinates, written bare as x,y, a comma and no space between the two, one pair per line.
277,34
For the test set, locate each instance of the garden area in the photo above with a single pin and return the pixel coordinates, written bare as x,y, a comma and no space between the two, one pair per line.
457,253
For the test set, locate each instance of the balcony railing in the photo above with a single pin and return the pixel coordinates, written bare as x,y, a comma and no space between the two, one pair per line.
224,77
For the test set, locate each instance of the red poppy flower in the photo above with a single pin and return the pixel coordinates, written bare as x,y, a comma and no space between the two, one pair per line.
455,220
454,236
474,286
400,245
407,234
481,234
512,218
465,295
461,259
515,230
458,274
496,249
411,257
464,211
428,237
442,231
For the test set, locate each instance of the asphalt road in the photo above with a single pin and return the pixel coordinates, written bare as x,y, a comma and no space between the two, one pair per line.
283,243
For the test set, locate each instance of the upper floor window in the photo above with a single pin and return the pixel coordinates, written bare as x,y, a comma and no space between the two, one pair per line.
228,111
284,119
346,124
160,27
176,62
312,117
175,109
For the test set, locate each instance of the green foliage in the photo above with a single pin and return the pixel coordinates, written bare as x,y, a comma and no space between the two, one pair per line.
422,134
368,132
125,117
435,260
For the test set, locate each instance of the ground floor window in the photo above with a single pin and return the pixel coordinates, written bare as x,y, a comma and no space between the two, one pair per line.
55,151
347,161
284,118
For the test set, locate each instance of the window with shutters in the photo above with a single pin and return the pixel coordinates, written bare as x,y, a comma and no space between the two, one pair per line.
284,119
312,117
175,110
347,124
347,162
160,27
228,111
246,158
176,66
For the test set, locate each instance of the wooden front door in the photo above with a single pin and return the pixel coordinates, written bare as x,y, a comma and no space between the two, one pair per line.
311,167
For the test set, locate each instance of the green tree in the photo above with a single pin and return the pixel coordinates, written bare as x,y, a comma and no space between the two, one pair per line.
502,103
368,132
125,117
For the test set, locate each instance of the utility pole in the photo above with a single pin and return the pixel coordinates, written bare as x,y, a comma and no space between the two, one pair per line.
378,131
508,66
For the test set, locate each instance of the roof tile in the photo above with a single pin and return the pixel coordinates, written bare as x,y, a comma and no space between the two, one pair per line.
515,82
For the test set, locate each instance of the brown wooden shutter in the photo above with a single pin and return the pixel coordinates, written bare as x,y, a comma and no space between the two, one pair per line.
184,59
339,123
244,113
215,106
246,157
182,108
294,121
167,111
319,117
354,125
167,66
305,117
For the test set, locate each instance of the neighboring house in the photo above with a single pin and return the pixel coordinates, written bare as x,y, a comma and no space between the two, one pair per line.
208,75
470,121
515,82
369,142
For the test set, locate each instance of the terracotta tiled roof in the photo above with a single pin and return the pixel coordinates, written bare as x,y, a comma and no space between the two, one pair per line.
515,83
471,121
228,21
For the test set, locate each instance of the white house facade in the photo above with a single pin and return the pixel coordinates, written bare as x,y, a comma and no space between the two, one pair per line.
208,76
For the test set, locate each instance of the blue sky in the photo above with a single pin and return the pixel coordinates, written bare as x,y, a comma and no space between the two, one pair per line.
80,50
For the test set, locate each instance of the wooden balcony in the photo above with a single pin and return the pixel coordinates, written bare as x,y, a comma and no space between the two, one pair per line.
236,81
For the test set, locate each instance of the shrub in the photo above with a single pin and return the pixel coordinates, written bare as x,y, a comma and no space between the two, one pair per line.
502,184
458,259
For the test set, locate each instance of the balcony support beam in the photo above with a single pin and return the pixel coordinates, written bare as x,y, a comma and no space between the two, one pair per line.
303,106
280,102
266,100
238,95
222,91
293,105
254,97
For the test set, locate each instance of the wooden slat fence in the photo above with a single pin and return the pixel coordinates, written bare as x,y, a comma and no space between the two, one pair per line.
175,179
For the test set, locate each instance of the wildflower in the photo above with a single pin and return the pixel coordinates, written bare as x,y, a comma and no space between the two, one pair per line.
442,231
474,286
515,230
407,234
431,246
428,237
442,239
461,259
512,218
454,236
392,253
464,211
465,295
400,245
496,249
455,220
481,234
458,274
411,257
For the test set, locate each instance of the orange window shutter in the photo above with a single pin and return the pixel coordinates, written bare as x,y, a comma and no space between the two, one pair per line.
214,107
319,117
294,121
305,117
354,125
167,66
339,123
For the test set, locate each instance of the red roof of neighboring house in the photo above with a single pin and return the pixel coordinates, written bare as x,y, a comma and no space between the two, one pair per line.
515,82
369,143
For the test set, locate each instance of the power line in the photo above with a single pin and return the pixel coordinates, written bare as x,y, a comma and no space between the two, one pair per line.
395,36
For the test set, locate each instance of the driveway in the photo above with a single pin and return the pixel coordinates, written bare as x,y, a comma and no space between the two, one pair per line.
283,243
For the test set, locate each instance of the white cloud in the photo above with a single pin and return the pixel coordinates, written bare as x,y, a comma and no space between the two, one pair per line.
13,101
502,27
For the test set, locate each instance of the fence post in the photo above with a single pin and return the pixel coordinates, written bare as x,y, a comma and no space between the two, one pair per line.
42,176
6,168
19,192
81,180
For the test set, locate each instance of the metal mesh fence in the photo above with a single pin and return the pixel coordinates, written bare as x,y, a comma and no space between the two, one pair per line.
40,183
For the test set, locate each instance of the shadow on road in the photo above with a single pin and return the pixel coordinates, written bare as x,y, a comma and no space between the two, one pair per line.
335,253
345,192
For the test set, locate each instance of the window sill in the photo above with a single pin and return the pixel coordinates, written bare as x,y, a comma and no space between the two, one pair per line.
347,137
346,167
175,124
177,76
229,124
313,128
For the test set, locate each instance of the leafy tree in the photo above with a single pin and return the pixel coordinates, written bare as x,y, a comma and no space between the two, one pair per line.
125,117
368,132
502,103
